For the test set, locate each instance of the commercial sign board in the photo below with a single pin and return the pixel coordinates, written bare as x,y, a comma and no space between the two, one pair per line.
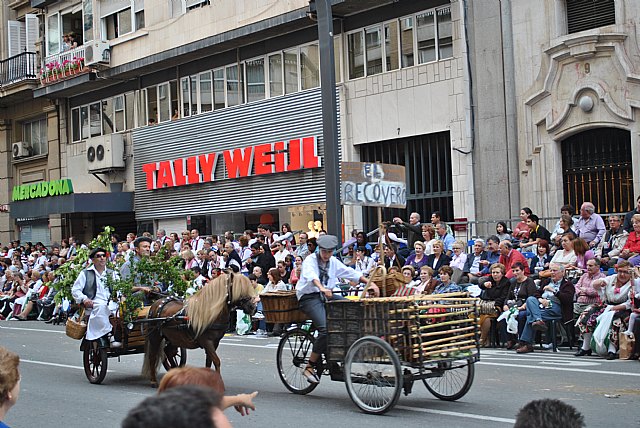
261,159
373,185
42,189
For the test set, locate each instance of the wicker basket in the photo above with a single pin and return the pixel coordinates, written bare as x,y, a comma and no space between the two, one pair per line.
387,282
281,307
76,329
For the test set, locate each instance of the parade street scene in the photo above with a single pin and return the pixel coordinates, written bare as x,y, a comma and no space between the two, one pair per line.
318,213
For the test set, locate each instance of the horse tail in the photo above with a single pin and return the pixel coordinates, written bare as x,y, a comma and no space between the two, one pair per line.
152,355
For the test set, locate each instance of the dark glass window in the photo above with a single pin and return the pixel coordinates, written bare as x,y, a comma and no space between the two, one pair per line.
587,14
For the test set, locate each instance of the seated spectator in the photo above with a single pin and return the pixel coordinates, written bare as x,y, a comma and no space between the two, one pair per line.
583,255
586,295
428,236
502,231
614,291
361,241
509,256
612,243
280,251
590,226
458,260
427,282
418,258
473,265
181,407
519,291
521,231
495,289
296,272
285,274
189,259
565,256
438,259
391,258
627,225
555,302
363,263
493,255
549,413
275,282
407,289
560,229
631,249
445,285
537,233
542,259
446,239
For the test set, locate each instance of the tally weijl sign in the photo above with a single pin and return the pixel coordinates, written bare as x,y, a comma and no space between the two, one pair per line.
282,156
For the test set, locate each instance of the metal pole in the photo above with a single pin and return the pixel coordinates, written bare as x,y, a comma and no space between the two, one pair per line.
329,117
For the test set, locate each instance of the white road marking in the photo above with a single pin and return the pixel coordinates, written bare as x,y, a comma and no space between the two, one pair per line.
458,414
31,329
66,366
563,362
562,369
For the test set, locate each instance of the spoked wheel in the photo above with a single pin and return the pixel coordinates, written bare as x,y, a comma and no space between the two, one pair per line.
373,375
453,381
293,355
95,361
174,357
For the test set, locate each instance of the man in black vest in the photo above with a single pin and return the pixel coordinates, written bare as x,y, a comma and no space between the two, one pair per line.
91,291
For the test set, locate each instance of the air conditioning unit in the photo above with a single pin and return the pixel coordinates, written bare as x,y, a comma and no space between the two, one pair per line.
105,153
97,53
21,149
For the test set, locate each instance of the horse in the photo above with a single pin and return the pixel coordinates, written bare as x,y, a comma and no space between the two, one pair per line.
199,322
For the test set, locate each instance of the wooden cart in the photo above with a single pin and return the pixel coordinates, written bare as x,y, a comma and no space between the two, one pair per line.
381,346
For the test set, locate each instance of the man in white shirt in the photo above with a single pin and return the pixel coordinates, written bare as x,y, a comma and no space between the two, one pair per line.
91,291
320,274
197,243
161,234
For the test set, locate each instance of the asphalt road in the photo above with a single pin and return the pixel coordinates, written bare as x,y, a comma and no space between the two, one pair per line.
55,392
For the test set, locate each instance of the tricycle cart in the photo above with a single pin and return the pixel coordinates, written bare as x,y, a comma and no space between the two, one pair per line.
381,346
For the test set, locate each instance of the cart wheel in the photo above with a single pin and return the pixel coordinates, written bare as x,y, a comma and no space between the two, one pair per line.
453,381
174,357
293,355
373,375
95,360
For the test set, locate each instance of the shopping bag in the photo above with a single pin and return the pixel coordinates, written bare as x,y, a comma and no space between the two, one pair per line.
626,346
243,322
600,338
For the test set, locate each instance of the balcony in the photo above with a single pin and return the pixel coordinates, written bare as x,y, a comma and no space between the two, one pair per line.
18,68
64,65
66,57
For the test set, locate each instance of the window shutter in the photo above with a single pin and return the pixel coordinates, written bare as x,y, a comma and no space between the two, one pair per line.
16,37
109,7
32,31
588,14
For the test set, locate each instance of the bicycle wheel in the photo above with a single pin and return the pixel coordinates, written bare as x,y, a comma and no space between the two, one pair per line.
293,355
373,375
95,362
453,380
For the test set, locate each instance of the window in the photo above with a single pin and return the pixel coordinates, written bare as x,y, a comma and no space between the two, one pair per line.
218,89
373,42
130,109
585,15
185,93
95,119
75,124
194,94
254,70
445,34
406,41
290,71
87,19
84,122
426,36
164,103
310,66
234,86
356,55
35,133
119,113
275,74
392,61
152,103
206,94
54,35
121,17
108,125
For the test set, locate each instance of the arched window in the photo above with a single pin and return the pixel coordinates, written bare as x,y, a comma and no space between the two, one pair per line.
596,167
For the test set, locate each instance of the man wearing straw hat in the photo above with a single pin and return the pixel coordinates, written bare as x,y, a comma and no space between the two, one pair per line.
320,273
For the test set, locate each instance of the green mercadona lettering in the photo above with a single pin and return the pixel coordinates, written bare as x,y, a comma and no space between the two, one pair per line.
42,189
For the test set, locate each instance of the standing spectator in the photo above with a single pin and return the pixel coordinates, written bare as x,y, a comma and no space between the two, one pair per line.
281,251
261,258
565,225
590,227
9,382
558,230
628,225
413,228
266,230
428,235
613,242
287,236
510,256
197,243
161,235
522,230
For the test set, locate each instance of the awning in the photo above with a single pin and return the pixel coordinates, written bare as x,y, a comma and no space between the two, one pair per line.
74,203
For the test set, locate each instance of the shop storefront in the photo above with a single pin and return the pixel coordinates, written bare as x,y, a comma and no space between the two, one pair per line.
235,168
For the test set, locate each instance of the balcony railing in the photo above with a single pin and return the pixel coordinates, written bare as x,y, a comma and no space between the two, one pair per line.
17,68
70,56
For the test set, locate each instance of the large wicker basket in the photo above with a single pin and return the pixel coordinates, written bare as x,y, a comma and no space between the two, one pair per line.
387,282
281,307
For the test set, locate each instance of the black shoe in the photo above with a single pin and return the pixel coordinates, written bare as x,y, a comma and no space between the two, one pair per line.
612,356
583,352
50,320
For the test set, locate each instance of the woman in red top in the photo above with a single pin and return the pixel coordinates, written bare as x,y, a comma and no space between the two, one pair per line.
631,250
521,232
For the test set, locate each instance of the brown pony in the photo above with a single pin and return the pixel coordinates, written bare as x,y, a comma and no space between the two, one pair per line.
200,322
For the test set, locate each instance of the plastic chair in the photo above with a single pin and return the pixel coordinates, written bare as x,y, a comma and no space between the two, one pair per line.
528,255
611,271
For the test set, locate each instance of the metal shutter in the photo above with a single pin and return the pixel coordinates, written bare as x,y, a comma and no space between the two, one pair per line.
587,14
176,225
